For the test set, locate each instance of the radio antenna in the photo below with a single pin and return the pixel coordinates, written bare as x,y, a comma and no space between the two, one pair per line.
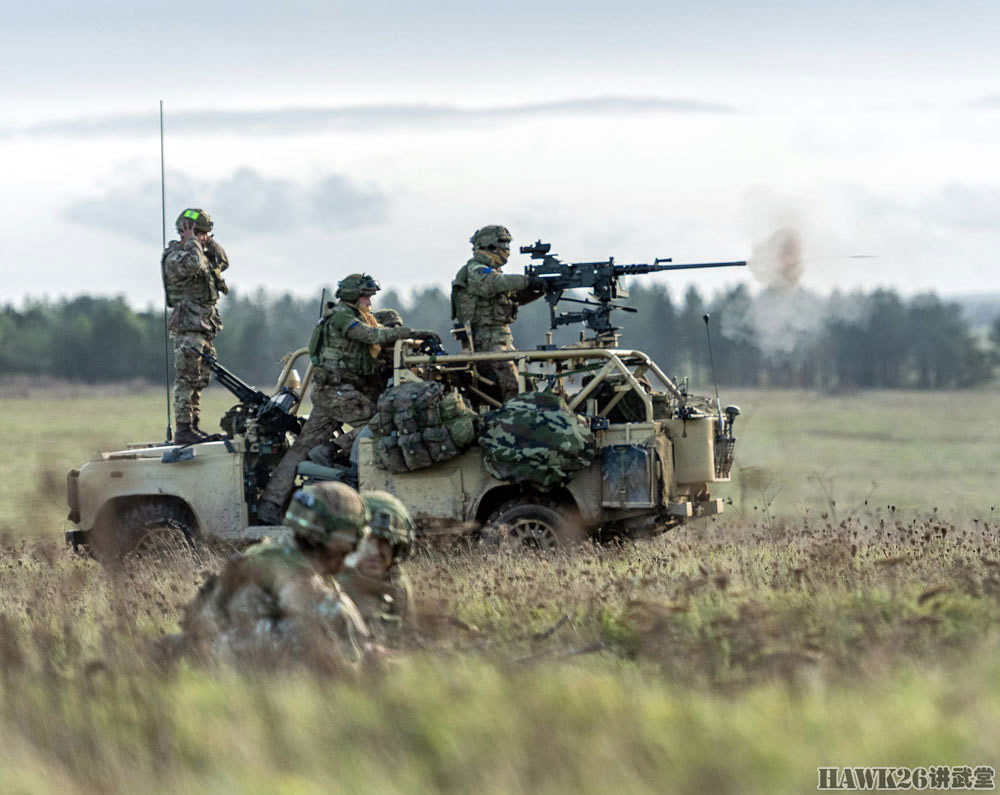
711,358
166,334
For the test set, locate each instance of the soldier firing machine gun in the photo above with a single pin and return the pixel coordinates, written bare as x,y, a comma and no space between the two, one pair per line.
602,278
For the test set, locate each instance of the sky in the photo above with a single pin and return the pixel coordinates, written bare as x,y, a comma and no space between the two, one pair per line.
331,138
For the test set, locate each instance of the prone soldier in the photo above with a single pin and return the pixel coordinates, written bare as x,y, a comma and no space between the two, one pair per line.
372,575
279,601
486,299
192,278
345,351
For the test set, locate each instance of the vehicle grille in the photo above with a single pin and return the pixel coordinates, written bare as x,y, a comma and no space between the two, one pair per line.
73,495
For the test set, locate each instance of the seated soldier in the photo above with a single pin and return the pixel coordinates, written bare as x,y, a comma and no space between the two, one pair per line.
344,349
331,454
372,576
278,603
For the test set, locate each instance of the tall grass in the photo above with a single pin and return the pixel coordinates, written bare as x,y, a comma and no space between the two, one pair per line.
730,657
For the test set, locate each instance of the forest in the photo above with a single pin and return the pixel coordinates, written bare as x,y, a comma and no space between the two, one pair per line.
838,342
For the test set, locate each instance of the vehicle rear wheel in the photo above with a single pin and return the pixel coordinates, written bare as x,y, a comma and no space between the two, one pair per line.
148,530
530,523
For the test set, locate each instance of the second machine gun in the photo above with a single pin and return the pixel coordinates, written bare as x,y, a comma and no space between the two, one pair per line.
263,418
601,278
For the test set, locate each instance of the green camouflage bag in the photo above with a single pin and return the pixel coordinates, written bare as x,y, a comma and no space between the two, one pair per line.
462,431
415,452
417,425
439,443
534,438
388,455
459,419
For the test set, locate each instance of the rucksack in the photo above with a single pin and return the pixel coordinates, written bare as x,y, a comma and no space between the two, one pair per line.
535,438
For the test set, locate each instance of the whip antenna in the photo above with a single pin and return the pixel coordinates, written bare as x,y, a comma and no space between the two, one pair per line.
711,358
163,219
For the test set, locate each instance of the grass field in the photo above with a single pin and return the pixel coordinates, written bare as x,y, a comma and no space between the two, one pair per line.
913,450
730,656
797,451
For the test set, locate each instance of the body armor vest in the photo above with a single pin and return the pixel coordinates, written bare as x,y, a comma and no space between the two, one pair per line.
335,352
499,309
187,275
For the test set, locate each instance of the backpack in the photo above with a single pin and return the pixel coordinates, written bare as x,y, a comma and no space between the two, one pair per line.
535,439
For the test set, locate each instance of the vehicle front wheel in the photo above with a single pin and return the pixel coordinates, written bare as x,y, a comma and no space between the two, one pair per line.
150,529
530,523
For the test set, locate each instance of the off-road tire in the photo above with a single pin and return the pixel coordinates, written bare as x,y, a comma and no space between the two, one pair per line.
148,529
529,523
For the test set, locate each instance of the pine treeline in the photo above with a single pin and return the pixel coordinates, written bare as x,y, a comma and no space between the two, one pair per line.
875,340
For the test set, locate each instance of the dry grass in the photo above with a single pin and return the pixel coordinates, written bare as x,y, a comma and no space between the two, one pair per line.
805,627
730,657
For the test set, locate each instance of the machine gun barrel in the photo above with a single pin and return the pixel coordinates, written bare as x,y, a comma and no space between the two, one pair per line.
556,277
626,270
240,388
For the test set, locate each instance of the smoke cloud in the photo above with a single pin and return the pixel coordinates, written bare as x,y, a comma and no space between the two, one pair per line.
777,260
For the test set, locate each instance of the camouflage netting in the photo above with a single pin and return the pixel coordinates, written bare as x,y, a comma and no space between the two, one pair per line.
418,425
536,439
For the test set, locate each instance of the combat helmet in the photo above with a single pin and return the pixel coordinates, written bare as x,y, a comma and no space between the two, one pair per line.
327,515
352,287
491,238
389,318
392,521
202,221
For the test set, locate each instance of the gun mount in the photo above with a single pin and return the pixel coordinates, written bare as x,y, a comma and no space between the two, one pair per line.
602,279
272,415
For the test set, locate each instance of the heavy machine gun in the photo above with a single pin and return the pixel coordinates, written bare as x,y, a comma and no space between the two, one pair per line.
272,415
601,278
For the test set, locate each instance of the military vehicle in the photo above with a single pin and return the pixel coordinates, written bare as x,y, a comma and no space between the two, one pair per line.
658,449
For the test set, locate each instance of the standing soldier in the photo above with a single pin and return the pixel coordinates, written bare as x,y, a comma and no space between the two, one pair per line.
486,299
345,351
192,278
372,576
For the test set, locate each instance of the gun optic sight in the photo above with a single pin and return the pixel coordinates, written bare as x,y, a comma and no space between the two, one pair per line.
537,250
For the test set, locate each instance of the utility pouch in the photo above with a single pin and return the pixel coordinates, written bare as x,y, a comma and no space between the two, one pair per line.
316,342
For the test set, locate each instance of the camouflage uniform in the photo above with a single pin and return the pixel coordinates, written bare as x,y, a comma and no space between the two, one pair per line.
192,280
487,299
373,576
194,322
345,388
278,603
271,605
384,599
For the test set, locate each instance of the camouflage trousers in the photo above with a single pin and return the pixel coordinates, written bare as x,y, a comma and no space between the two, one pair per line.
504,373
191,373
332,405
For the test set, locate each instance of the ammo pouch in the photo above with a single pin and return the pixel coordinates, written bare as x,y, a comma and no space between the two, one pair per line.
316,342
417,425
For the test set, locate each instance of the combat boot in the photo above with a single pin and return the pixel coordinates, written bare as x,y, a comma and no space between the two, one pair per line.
198,430
188,435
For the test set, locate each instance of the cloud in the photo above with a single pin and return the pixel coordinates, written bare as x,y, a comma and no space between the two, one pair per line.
989,102
351,118
970,208
242,204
